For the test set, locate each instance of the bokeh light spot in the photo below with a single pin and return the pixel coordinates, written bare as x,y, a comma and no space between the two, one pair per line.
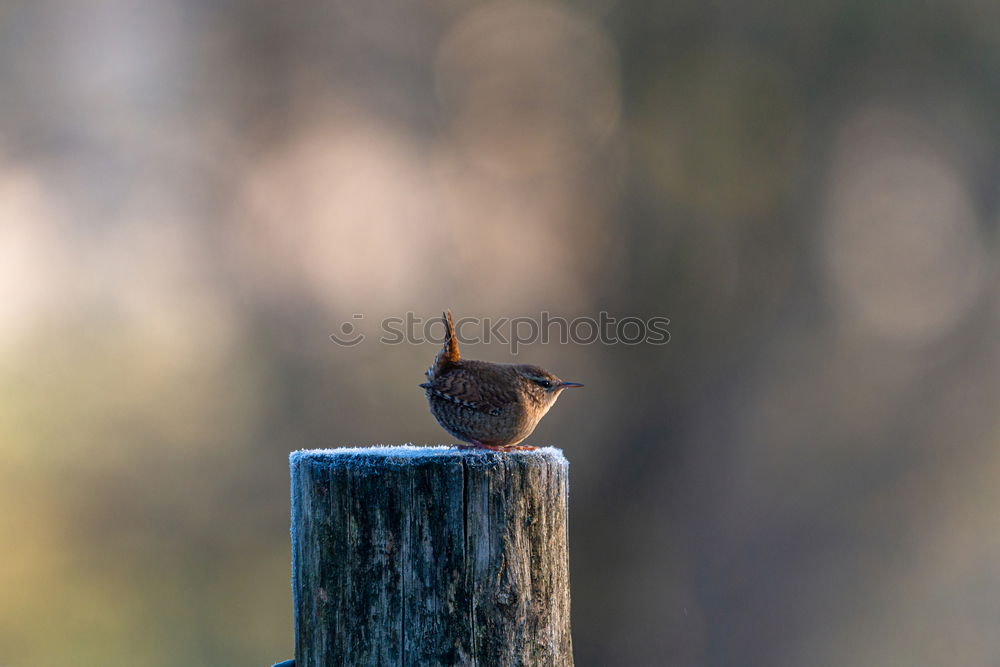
902,245
528,87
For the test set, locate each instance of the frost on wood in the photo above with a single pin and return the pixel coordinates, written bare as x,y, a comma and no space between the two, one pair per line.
430,556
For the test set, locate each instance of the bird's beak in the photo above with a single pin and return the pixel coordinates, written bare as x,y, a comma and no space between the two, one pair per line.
570,384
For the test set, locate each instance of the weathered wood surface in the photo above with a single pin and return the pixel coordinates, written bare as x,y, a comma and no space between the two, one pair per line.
430,556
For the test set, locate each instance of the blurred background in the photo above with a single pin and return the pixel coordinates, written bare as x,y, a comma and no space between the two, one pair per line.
195,195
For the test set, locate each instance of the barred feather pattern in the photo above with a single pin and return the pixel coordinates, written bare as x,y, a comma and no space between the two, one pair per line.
485,403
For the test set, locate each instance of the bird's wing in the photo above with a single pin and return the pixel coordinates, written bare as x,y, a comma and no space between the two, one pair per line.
460,386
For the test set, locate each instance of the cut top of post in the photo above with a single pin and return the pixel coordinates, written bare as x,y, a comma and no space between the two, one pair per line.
403,454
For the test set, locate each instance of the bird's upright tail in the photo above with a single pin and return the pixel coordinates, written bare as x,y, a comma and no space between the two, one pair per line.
449,351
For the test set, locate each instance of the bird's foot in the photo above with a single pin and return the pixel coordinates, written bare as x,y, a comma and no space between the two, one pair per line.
475,444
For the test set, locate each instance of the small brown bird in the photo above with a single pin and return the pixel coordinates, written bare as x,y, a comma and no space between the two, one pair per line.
488,405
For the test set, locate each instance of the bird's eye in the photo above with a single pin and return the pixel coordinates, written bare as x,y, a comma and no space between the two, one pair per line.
544,383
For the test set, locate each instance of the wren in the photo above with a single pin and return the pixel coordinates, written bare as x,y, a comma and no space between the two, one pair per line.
488,405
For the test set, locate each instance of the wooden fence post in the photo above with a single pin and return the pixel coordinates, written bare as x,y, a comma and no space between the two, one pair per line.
430,556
